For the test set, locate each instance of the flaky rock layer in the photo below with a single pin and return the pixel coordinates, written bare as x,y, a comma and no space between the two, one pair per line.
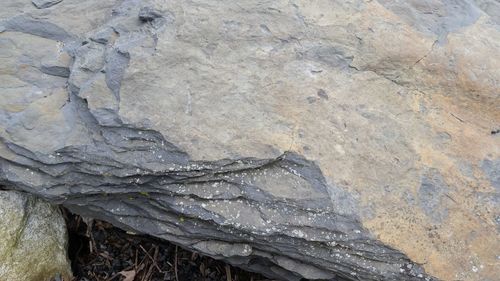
349,140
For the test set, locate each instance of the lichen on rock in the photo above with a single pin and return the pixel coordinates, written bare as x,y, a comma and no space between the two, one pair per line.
34,239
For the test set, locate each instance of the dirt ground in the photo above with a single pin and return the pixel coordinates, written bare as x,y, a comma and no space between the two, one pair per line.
105,253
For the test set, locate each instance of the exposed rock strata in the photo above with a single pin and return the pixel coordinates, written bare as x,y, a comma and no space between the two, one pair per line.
176,119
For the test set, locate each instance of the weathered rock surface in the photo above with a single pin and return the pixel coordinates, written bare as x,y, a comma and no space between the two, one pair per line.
34,239
42,4
321,139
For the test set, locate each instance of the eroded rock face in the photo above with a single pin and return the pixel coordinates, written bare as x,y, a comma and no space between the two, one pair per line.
34,239
317,139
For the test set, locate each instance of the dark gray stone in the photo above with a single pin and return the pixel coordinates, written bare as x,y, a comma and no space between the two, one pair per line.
55,70
26,24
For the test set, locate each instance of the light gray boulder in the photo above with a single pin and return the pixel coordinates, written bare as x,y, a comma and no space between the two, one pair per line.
34,239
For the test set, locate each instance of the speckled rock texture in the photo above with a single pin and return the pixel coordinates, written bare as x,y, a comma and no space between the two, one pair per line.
319,139
33,239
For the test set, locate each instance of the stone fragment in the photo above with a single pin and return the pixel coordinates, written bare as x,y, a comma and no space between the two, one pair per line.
34,239
56,65
41,28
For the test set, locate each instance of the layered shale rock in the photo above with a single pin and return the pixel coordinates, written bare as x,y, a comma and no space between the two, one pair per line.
34,239
341,140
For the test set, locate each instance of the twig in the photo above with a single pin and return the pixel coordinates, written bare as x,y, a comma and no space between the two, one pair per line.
92,244
228,273
135,260
175,264
155,256
148,273
150,257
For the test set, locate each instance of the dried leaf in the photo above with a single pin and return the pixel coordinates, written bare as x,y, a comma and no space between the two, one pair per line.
129,275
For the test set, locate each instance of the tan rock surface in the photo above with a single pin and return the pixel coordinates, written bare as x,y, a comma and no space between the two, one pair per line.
379,105
397,102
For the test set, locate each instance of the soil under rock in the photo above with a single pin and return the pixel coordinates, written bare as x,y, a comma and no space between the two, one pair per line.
103,252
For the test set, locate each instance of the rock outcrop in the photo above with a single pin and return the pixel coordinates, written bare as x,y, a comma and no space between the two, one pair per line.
34,239
349,140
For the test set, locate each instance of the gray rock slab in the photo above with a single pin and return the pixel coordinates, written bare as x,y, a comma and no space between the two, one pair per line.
299,139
